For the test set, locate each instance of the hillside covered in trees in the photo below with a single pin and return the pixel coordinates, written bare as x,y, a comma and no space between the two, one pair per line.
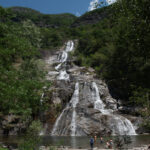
42,20
113,40
118,48
21,70
21,78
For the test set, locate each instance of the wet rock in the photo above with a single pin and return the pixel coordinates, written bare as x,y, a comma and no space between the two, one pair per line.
89,119
111,103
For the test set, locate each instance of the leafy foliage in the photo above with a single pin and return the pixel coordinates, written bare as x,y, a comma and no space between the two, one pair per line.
118,48
52,38
31,139
20,75
24,34
3,148
42,20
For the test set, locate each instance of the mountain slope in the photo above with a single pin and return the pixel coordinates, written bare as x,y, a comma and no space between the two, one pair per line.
117,47
42,20
94,16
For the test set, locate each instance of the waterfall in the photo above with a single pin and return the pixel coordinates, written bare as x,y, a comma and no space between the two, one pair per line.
55,130
74,101
58,66
70,46
41,100
63,75
62,59
67,122
98,103
120,125
42,96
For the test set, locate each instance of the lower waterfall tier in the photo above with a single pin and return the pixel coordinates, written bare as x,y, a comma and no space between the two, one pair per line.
81,117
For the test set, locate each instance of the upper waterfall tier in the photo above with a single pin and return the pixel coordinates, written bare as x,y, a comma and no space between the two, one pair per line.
62,58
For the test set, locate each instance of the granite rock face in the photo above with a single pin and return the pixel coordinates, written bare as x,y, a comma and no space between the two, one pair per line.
86,109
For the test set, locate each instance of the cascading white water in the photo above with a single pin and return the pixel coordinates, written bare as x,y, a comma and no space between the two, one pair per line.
119,124
98,103
55,130
62,59
122,126
66,123
63,75
58,66
41,100
70,46
74,101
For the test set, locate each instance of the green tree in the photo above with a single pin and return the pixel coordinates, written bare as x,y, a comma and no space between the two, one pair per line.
32,139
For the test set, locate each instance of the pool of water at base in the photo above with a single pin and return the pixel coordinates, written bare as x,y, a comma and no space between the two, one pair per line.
77,142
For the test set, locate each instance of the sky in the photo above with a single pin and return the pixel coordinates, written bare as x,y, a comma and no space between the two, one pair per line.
77,7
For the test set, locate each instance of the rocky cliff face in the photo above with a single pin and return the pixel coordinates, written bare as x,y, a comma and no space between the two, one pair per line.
87,106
